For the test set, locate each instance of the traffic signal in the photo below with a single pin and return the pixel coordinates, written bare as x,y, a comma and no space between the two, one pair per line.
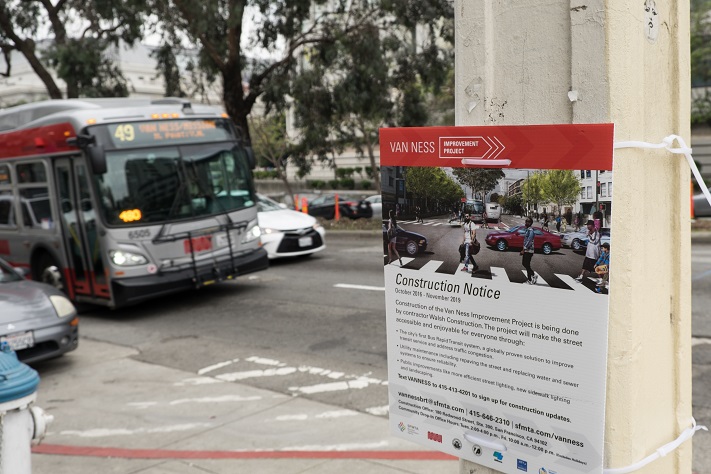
598,187
602,207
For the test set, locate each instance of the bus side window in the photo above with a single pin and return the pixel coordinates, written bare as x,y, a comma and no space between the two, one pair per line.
6,216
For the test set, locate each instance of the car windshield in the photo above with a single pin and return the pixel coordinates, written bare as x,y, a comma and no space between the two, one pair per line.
264,204
8,274
171,183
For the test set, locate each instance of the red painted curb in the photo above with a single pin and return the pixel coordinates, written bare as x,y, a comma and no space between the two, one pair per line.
88,451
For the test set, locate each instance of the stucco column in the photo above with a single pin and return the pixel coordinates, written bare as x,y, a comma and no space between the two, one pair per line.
568,61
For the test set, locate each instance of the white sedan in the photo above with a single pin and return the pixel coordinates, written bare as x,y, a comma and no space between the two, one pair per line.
376,204
287,233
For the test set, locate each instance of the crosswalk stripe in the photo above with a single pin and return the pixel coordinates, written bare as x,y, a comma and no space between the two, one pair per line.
571,282
499,274
431,266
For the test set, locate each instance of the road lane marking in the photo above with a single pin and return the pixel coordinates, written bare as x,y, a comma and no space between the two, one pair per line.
105,432
221,399
359,383
379,411
213,367
250,374
359,287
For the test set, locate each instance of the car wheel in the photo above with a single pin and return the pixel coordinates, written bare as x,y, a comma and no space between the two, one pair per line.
411,248
502,245
48,271
576,244
547,248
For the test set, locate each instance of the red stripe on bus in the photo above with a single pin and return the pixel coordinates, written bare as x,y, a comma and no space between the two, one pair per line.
36,141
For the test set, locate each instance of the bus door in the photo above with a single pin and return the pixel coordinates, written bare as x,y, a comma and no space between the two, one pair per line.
86,273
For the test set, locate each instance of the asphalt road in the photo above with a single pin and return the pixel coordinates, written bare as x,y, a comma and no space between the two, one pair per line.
304,326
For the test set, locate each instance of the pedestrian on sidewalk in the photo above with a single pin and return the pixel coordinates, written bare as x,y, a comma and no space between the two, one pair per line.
592,251
392,238
527,252
602,267
418,214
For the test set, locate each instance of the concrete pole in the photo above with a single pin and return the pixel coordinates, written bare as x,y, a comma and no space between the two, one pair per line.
516,63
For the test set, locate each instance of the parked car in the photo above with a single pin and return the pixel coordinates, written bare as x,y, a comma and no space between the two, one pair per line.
543,240
36,320
409,242
604,237
701,206
349,206
376,204
287,233
574,240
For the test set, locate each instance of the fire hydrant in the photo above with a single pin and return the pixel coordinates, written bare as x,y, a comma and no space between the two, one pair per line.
21,423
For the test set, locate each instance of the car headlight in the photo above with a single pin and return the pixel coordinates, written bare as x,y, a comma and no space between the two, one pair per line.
62,306
267,230
253,233
126,259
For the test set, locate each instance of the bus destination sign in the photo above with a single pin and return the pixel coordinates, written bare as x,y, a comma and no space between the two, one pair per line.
132,134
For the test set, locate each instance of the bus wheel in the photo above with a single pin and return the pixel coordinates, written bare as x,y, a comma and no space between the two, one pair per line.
49,272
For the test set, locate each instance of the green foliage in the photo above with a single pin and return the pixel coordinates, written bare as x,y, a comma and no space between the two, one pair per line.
532,190
344,172
265,174
85,59
347,183
480,180
700,46
431,184
334,183
316,184
365,184
560,186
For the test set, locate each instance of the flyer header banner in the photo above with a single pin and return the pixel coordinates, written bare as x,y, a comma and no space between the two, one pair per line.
562,146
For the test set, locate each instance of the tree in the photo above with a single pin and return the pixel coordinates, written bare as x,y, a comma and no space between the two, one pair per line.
83,61
560,186
433,186
271,145
480,180
700,46
283,30
385,76
532,190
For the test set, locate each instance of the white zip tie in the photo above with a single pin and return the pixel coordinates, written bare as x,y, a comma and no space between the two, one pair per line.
668,143
485,162
661,452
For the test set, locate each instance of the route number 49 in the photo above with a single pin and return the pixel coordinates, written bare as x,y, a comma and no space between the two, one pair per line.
125,133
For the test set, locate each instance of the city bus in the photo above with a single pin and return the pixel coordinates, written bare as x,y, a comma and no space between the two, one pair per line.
475,209
115,201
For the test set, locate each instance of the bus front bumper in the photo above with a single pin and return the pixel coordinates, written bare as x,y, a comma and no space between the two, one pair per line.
130,291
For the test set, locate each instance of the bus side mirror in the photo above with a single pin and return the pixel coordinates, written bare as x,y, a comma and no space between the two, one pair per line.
250,157
97,158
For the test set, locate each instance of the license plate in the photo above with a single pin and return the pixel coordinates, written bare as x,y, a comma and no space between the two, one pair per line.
19,341
306,241
221,240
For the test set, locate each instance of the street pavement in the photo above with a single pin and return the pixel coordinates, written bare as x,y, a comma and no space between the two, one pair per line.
116,414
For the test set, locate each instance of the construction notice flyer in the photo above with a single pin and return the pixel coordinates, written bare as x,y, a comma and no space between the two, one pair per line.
497,267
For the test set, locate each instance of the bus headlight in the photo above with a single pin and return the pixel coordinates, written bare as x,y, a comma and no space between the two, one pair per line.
62,306
253,233
126,259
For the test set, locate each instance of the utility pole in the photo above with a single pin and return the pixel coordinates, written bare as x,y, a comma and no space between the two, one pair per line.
625,62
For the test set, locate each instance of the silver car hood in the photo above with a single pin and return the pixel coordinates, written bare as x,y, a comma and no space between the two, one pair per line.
24,301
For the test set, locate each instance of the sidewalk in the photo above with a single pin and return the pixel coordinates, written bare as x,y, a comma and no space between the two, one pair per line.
115,414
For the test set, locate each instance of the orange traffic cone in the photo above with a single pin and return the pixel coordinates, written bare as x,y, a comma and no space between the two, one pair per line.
304,206
296,202
337,213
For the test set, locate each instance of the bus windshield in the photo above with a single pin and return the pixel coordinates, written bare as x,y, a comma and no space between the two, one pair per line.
156,185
